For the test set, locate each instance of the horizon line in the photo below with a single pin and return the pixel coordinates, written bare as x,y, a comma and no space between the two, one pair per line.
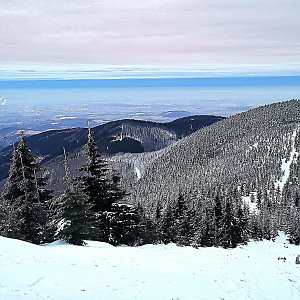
225,81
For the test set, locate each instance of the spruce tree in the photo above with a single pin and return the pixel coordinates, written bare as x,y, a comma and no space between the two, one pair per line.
218,218
206,236
96,182
242,229
157,233
150,229
116,193
74,220
182,226
229,231
125,225
96,186
102,190
25,212
293,227
167,225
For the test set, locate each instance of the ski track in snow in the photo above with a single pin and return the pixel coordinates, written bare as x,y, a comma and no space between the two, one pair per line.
151,272
285,166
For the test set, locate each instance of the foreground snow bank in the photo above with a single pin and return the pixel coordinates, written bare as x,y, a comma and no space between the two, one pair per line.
100,271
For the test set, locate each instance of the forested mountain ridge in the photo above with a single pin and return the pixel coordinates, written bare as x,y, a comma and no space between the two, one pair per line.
220,186
127,136
245,152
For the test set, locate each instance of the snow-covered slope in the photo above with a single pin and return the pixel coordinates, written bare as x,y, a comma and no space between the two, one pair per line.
254,150
100,271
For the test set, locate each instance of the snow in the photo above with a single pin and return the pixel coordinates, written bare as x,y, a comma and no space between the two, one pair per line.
160,272
118,137
285,166
61,225
255,145
2,101
252,205
138,172
66,117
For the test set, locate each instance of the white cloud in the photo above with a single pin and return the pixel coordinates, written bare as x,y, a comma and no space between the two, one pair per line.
150,32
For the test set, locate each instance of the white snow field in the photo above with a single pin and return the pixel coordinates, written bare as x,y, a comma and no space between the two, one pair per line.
100,271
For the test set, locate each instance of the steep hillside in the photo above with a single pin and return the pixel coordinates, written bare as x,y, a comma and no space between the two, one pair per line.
254,151
127,136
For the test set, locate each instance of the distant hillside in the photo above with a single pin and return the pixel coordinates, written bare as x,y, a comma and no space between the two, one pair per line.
256,151
126,136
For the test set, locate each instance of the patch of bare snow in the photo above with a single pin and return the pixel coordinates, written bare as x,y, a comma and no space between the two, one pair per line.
138,172
285,165
66,117
2,101
253,146
252,205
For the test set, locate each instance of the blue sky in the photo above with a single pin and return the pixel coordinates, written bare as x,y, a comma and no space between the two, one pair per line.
261,81
63,39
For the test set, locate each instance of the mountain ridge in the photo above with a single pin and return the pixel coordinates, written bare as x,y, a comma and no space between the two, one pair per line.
127,136
224,155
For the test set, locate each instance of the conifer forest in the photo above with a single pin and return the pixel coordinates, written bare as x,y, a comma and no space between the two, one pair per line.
222,185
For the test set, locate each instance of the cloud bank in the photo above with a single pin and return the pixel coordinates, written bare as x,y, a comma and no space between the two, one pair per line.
171,32
71,72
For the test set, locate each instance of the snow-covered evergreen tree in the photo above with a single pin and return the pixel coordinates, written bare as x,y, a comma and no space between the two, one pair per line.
125,225
95,179
101,189
183,221
167,225
74,218
23,199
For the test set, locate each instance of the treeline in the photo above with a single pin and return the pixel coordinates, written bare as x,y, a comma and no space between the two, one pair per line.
93,207
220,220
222,217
